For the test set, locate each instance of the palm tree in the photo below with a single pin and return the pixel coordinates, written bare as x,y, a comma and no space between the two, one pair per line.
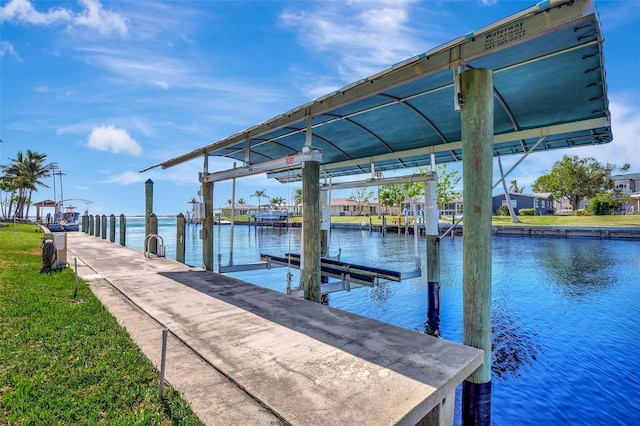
27,173
277,201
297,196
260,193
241,201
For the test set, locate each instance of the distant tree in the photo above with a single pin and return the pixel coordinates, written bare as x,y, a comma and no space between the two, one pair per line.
446,185
277,201
361,196
260,193
297,196
390,196
26,173
241,201
575,179
448,180
514,187
230,202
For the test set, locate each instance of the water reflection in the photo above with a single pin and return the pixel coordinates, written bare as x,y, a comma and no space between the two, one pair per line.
513,347
580,271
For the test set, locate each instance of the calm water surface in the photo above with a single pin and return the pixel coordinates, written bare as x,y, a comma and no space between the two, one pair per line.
566,312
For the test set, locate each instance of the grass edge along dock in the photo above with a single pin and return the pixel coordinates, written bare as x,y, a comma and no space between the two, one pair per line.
66,360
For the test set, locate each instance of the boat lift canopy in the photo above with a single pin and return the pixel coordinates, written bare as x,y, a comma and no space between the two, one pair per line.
549,93
549,83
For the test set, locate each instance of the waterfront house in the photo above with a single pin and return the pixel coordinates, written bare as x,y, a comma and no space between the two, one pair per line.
628,185
542,202
240,210
350,207
455,206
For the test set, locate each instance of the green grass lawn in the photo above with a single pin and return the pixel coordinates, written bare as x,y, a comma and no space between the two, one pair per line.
65,360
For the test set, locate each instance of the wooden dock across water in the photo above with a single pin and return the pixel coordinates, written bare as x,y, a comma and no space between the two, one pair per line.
308,363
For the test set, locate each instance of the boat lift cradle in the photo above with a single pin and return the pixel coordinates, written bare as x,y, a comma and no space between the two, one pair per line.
350,275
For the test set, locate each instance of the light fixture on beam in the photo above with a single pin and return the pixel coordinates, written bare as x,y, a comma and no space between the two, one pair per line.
290,162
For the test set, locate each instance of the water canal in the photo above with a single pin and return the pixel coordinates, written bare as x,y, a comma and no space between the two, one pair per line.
565,311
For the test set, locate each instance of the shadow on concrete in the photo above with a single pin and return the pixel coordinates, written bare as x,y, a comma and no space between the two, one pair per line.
421,357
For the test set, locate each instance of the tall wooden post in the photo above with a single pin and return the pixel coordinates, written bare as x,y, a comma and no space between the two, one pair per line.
432,218
477,154
207,226
112,228
153,229
180,232
97,231
123,230
91,225
311,229
103,235
148,205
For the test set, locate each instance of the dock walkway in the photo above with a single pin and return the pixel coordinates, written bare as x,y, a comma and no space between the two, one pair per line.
243,354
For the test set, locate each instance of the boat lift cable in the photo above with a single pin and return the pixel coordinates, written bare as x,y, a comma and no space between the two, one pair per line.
416,246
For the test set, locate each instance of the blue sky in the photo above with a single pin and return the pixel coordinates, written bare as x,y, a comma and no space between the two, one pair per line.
108,88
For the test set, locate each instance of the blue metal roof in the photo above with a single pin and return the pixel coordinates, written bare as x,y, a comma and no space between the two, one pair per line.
549,81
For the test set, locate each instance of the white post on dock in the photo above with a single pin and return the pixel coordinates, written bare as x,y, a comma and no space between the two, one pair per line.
432,217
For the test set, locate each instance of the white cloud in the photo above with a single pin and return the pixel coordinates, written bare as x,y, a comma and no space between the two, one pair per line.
22,11
365,36
109,138
126,178
93,16
162,84
6,48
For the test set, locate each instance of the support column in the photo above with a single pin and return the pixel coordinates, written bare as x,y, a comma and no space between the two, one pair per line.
103,235
123,230
432,218
153,229
112,228
207,226
97,232
180,232
477,154
311,229
148,205
91,225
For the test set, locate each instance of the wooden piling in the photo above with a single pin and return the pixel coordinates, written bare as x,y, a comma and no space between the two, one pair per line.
97,231
112,228
180,232
91,225
123,230
153,229
103,235
207,226
311,230
148,205
477,154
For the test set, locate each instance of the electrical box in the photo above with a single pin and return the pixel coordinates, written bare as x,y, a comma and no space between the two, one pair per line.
60,244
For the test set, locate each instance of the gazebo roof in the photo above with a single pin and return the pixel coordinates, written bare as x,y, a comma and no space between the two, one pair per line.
45,203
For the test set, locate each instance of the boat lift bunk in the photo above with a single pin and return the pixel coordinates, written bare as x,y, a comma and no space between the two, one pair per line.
351,275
